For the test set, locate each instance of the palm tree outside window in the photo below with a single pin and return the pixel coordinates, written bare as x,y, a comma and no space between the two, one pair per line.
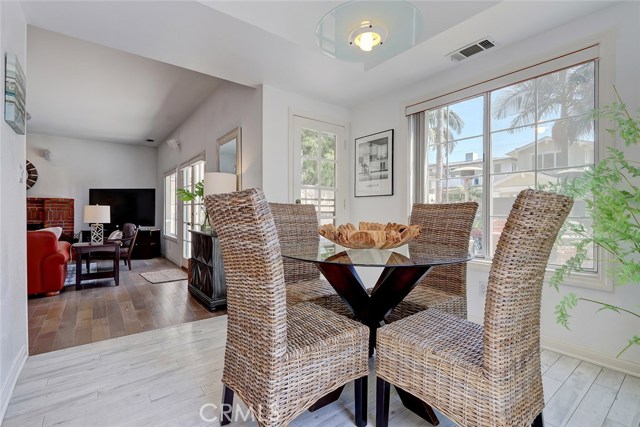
530,134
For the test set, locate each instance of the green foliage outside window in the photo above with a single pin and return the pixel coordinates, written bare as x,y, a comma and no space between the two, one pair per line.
312,144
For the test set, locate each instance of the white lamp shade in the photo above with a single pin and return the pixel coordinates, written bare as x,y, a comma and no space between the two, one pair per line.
219,182
97,214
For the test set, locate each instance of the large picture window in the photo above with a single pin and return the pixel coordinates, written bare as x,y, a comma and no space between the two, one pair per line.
487,147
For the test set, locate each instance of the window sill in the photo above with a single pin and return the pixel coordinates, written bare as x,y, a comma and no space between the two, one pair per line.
170,238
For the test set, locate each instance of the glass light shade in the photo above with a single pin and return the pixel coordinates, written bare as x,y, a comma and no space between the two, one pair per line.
97,214
219,182
398,24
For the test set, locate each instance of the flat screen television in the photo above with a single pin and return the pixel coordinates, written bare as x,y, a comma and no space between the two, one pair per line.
135,205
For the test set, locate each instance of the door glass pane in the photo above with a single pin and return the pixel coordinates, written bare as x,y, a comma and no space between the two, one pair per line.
309,194
309,172
328,174
309,143
328,146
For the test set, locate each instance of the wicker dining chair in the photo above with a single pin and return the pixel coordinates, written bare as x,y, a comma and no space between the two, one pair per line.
295,224
444,287
278,359
475,375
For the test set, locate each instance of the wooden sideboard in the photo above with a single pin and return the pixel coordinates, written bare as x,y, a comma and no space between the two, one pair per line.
207,282
147,243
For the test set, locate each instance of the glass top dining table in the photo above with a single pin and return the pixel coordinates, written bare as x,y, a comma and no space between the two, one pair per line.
404,256
403,268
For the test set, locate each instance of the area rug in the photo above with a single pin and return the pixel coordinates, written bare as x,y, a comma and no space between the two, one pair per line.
164,276
70,280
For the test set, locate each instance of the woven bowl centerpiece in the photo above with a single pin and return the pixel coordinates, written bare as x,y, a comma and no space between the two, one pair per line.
370,235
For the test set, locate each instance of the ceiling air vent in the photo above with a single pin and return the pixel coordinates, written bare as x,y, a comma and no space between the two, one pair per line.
472,49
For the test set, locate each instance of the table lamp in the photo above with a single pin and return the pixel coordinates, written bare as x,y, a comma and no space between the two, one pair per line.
96,215
218,183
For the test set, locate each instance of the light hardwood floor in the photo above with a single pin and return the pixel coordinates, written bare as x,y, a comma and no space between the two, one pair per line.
164,377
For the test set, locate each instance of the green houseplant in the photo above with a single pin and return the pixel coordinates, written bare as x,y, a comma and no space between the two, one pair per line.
612,201
186,195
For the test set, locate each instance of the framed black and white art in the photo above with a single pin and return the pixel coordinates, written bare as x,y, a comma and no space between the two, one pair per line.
374,165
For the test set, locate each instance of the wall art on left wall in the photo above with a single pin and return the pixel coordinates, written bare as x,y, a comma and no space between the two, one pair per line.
14,94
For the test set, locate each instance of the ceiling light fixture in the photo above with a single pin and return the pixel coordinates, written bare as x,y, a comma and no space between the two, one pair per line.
354,30
366,37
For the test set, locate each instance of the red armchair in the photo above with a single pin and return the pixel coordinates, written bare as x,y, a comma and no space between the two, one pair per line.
47,260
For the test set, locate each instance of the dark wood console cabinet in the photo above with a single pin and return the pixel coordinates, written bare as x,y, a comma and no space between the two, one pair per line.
207,282
147,244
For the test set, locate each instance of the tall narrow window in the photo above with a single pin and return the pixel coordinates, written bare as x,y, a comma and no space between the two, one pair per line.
170,205
192,211
455,158
318,150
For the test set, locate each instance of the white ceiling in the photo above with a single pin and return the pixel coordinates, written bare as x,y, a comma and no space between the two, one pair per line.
83,90
273,42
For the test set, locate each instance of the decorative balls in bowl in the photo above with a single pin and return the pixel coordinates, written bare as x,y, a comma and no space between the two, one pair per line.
370,235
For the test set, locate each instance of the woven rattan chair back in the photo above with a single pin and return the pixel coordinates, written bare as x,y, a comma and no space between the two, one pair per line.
295,224
256,302
512,309
444,224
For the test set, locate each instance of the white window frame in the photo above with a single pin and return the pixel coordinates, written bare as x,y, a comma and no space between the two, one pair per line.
170,236
593,280
184,238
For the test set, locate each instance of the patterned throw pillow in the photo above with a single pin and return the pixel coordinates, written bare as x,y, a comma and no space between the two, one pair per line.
116,235
55,230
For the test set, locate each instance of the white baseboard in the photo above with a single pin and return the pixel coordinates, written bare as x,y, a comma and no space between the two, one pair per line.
583,353
168,257
12,379
588,355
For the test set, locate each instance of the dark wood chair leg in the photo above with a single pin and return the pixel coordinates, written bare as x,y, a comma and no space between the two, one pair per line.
417,406
360,386
383,389
538,422
226,412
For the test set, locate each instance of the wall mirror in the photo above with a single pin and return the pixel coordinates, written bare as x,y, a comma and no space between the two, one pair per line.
230,154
